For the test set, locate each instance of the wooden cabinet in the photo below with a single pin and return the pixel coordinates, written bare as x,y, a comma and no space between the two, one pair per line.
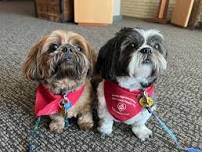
55,10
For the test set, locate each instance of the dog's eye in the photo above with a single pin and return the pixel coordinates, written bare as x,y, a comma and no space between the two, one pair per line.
53,47
157,46
133,45
78,48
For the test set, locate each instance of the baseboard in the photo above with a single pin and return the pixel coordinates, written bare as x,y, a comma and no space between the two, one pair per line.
117,18
133,18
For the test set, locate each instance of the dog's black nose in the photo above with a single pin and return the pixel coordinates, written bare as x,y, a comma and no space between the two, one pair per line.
67,53
146,50
67,49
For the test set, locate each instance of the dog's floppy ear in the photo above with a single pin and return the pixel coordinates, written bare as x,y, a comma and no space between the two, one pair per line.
92,59
31,68
106,60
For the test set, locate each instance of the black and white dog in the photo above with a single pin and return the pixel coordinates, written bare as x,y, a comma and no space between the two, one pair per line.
129,64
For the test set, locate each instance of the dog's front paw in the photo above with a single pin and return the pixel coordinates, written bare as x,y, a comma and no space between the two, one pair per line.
57,126
105,131
86,125
85,122
142,132
105,127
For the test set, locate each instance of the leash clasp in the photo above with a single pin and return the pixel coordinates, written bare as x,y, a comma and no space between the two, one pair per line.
66,103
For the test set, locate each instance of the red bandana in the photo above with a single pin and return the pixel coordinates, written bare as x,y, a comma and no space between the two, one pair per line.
122,103
48,103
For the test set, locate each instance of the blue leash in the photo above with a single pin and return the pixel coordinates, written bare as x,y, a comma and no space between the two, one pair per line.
68,122
171,133
33,133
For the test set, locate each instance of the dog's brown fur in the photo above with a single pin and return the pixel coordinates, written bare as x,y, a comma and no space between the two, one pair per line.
39,66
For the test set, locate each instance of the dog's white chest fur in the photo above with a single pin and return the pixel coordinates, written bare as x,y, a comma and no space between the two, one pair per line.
143,71
131,83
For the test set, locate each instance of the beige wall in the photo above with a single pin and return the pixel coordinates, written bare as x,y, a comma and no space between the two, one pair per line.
143,8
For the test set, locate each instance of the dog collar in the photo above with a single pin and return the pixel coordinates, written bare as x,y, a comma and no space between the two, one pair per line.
48,103
122,103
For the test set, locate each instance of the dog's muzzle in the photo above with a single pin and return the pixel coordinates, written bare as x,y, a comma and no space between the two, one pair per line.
146,52
68,52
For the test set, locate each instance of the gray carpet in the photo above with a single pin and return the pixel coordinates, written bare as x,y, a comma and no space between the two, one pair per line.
179,89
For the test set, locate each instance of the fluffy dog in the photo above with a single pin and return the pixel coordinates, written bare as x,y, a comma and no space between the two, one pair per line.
129,63
63,62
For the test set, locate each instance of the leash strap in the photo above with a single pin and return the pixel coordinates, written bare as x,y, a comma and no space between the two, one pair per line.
33,132
165,128
147,102
171,133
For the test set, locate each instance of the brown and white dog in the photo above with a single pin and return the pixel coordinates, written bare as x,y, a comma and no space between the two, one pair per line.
63,62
